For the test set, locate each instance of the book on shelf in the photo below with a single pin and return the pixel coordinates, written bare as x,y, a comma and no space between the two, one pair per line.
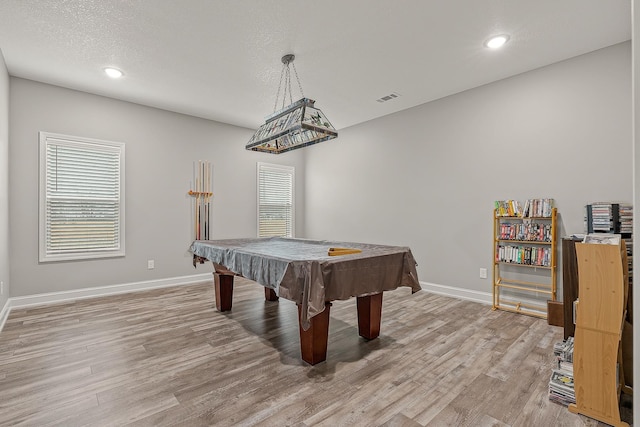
508,208
530,232
533,208
626,218
524,255
538,208
629,246
608,217
612,218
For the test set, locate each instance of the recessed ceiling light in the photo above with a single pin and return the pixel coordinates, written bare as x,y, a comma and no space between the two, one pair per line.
114,73
496,41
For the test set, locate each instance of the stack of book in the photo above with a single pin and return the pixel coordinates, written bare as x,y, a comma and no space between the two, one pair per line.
533,208
609,217
561,387
532,232
538,208
508,208
602,217
626,229
524,255
626,218
629,244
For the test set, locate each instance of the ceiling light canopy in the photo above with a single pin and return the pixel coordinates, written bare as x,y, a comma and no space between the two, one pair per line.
496,42
114,73
295,126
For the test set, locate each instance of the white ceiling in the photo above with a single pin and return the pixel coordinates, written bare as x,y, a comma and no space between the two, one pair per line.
220,59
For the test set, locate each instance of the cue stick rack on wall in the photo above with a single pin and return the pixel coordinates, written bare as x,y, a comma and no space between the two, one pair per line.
202,177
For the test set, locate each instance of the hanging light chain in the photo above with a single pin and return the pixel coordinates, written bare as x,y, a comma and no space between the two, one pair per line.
285,75
275,105
287,86
297,78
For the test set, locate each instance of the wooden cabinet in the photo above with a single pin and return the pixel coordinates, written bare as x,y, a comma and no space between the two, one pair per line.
524,263
597,361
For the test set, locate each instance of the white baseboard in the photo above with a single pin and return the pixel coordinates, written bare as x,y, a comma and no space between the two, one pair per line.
460,293
67,296
4,313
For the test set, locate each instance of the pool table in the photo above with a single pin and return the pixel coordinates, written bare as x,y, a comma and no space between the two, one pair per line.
312,273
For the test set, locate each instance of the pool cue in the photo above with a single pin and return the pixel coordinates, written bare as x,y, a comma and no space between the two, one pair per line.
208,217
206,201
198,184
202,184
202,175
209,193
193,213
204,198
195,202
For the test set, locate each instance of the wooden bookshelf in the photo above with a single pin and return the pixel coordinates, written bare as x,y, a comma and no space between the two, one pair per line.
524,244
597,359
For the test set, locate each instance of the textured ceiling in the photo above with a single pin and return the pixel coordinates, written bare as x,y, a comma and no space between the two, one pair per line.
220,59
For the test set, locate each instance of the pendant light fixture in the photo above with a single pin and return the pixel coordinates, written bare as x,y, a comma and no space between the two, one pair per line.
295,126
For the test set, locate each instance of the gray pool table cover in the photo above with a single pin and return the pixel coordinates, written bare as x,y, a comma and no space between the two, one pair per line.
301,270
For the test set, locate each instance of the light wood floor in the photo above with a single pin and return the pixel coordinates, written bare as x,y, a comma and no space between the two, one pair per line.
167,357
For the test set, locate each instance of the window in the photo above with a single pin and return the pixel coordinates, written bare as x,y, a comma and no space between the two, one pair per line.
81,198
275,200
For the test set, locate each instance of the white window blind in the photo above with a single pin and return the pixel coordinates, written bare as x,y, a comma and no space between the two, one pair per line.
81,198
275,200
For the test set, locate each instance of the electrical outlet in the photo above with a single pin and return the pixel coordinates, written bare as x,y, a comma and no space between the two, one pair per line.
151,264
483,273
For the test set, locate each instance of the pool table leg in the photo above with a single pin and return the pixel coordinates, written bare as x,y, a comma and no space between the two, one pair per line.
369,315
270,294
313,341
224,291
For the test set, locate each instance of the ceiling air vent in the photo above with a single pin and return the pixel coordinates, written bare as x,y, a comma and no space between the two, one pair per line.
388,97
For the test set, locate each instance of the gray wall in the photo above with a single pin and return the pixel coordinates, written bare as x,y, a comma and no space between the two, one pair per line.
4,181
160,149
427,177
